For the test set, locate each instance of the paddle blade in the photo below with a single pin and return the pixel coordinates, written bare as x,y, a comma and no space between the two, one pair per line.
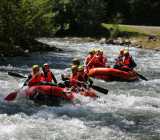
18,75
11,96
100,89
142,77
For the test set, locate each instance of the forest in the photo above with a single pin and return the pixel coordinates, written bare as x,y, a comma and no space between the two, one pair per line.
21,21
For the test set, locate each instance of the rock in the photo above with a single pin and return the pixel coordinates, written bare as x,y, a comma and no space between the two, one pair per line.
133,41
127,42
102,41
1,55
115,42
36,45
152,38
26,51
17,50
17,47
157,49
120,41
110,41
139,46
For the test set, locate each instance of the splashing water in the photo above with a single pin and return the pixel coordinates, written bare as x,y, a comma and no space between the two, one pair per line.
131,111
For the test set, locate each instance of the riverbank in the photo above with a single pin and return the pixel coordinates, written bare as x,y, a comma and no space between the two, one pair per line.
147,37
24,49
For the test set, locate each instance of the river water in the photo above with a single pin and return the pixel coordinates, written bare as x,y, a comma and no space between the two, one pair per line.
131,111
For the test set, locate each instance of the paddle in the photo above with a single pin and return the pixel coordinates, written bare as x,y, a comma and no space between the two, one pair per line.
15,74
12,96
142,77
100,89
95,87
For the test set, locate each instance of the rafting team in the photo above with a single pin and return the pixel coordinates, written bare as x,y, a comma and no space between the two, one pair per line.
79,73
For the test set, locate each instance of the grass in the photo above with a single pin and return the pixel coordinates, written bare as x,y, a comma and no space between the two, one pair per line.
140,30
122,28
138,33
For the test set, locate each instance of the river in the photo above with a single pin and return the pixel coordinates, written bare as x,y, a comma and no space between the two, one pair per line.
131,111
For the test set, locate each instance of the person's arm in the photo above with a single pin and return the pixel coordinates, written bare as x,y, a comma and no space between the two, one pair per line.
28,78
92,61
54,79
105,61
88,79
133,64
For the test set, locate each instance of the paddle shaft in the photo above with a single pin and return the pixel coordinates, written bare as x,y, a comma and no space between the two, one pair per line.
91,60
142,77
99,89
15,74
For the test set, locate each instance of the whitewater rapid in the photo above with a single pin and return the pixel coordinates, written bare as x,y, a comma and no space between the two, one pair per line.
131,111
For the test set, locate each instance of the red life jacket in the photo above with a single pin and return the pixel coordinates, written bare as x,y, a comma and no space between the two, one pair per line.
73,80
100,61
82,77
88,62
48,77
88,59
97,61
127,60
36,79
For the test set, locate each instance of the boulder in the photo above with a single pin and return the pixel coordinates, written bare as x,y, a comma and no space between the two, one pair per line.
102,41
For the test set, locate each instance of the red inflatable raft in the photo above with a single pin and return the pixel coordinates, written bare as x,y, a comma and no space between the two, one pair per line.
50,91
53,95
111,74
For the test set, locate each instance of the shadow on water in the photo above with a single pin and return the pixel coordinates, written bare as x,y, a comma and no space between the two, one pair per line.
56,60
15,108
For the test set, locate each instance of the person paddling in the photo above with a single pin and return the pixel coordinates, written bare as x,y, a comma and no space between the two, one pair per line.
100,60
103,58
128,61
74,76
48,74
35,78
68,71
82,77
76,62
95,60
88,62
119,60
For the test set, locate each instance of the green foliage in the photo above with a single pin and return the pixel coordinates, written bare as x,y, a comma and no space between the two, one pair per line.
22,20
35,17
124,30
